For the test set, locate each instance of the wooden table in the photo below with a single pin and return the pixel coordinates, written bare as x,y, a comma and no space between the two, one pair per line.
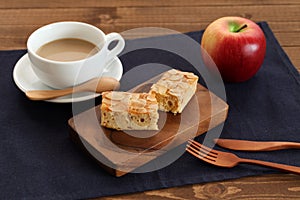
20,17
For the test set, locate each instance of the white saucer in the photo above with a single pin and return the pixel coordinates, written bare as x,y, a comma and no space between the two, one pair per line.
26,79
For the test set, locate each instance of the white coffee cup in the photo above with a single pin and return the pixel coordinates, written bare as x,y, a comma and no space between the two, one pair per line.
62,74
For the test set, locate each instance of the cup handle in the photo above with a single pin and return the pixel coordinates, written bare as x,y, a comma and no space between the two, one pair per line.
111,53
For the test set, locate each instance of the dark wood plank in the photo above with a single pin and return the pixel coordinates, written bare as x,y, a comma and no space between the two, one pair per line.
139,3
191,26
41,16
283,187
136,15
204,14
288,39
293,53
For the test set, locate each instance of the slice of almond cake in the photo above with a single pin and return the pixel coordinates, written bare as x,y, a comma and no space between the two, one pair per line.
129,111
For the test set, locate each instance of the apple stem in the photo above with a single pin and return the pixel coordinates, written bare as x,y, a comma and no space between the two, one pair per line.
241,28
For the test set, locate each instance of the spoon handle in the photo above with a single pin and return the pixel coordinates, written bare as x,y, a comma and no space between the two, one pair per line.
97,85
246,145
47,94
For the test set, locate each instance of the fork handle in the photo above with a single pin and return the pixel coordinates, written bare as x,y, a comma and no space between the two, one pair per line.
283,167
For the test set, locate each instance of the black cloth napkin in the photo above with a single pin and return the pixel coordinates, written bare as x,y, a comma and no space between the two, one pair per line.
39,161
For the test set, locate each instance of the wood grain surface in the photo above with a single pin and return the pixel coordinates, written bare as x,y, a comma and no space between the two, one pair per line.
20,17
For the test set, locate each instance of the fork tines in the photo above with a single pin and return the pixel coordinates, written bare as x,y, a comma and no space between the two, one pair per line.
201,151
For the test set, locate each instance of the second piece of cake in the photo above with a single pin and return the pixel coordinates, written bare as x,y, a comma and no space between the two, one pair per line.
174,90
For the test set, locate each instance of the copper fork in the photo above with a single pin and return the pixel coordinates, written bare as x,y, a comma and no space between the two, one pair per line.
224,159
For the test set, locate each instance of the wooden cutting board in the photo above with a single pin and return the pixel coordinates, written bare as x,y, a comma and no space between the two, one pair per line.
121,152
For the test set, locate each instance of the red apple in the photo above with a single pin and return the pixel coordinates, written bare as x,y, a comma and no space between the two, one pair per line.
236,45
